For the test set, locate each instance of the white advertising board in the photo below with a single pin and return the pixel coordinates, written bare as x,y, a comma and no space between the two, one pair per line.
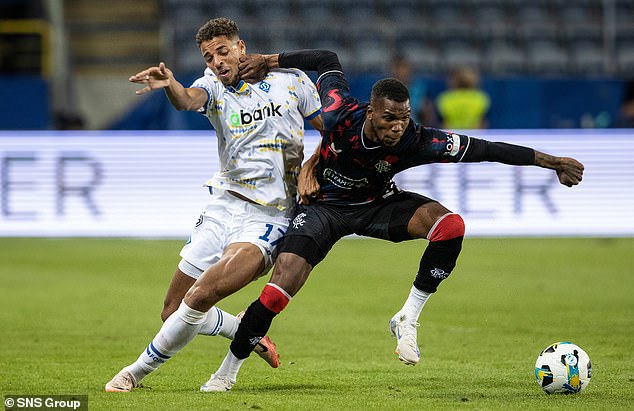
150,184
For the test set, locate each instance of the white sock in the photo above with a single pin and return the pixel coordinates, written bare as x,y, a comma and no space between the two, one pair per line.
220,322
414,304
177,331
230,366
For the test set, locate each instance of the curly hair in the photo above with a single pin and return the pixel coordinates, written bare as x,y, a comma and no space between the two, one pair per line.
391,89
221,26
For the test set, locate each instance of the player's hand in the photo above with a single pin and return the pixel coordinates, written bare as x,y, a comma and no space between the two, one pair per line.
307,186
309,193
152,78
569,171
252,67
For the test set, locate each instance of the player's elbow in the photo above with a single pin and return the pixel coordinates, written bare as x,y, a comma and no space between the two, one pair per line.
331,59
328,60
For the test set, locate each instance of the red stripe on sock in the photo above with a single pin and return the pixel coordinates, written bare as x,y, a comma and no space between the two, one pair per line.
273,299
450,226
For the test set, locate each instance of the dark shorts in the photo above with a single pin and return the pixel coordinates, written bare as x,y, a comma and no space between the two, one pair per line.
317,227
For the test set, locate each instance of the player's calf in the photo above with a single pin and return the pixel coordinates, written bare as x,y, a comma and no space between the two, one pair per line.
257,320
266,348
441,254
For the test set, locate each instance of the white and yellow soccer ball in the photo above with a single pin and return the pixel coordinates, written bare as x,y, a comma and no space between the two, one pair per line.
563,368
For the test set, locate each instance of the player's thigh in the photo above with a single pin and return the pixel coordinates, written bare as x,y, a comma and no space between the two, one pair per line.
207,240
401,217
239,264
261,227
314,230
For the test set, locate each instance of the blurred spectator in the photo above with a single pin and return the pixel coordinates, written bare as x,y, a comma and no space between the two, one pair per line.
69,121
626,112
421,106
463,105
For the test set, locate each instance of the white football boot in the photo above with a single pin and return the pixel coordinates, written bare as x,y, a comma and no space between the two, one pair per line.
217,383
407,344
122,382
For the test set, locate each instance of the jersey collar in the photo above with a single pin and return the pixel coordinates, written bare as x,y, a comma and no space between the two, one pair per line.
366,146
241,88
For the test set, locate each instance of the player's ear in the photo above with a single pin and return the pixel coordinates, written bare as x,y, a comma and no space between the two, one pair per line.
369,111
243,47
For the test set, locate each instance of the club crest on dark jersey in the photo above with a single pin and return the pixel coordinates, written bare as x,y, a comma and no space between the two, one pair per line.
382,166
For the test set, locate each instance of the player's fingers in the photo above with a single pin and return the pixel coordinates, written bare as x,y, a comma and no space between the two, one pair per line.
249,76
143,90
245,72
579,165
573,181
142,74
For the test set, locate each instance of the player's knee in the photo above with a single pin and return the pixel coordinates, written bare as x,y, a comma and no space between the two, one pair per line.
447,227
201,297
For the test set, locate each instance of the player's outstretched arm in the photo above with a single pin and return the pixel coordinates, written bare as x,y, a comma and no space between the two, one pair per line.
253,67
160,76
569,171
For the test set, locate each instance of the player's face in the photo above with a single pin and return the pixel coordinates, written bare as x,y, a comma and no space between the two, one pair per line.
388,120
222,56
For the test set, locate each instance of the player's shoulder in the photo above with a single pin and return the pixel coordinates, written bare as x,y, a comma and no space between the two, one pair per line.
288,75
292,72
209,76
209,82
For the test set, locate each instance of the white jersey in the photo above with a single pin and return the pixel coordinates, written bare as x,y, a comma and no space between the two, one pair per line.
260,131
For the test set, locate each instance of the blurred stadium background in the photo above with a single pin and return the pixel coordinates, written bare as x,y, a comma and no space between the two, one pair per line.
545,63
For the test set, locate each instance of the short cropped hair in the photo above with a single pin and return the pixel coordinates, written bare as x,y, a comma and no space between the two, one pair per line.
391,89
221,26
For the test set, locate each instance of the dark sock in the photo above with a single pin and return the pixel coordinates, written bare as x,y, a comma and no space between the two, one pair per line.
253,326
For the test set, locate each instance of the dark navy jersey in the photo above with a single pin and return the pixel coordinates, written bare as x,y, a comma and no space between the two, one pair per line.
355,170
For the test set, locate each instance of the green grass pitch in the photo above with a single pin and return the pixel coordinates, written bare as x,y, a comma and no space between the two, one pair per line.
74,311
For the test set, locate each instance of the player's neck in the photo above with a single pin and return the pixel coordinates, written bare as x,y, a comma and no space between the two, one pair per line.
368,137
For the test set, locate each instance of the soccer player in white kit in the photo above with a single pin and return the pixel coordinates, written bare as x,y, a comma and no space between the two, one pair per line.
260,130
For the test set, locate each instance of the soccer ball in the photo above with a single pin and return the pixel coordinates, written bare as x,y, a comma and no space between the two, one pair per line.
563,367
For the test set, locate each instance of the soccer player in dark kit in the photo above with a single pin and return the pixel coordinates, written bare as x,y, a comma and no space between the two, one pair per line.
363,146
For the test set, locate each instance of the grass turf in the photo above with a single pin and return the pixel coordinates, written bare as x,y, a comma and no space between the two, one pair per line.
75,311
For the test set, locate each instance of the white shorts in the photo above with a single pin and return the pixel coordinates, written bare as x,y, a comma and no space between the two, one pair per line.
227,220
